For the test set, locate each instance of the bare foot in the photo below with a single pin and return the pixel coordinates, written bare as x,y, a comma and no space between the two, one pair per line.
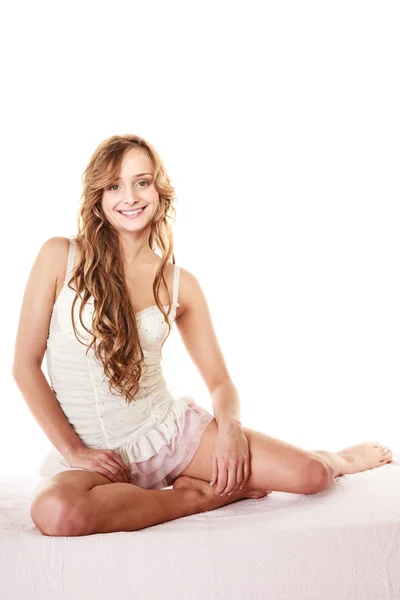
204,487
366,455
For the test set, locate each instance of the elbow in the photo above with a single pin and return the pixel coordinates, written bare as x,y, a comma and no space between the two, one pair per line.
28,366
15,371
19,370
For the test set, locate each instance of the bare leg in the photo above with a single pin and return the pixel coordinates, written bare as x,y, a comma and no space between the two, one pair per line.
356,459
340,464
126,507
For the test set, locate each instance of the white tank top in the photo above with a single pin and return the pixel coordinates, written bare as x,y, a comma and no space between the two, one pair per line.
103,419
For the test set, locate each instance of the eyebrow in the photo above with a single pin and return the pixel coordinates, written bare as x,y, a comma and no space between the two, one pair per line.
137,175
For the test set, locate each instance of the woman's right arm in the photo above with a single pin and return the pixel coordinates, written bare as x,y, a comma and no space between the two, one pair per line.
30,347
46,410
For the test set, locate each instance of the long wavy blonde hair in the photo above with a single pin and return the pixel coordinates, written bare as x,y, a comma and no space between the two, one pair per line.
100,271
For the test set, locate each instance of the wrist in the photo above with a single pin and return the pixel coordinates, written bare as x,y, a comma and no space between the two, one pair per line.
72,451
229,421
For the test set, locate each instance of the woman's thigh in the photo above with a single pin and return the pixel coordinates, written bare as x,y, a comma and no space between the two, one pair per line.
61,492
274,464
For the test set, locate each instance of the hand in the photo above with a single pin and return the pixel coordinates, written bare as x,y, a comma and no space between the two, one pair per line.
230,467
105,462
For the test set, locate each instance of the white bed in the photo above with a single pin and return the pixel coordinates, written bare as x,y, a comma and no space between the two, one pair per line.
340,544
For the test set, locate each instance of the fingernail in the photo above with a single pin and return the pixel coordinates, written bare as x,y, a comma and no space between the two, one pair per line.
212,481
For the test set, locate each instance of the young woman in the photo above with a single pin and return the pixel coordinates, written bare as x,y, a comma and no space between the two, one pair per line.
101,306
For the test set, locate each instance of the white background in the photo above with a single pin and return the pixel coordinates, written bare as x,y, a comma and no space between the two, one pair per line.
278,123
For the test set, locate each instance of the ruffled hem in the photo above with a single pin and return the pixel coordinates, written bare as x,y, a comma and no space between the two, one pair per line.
171,458
158,456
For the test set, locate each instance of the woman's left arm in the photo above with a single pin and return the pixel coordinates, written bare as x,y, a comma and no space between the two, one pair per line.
230,460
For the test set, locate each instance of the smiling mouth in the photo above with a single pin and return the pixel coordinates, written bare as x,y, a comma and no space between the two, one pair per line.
132,214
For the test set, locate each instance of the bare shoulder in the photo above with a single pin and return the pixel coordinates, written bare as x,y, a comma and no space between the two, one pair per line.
191,294
37,303
57,248
54,253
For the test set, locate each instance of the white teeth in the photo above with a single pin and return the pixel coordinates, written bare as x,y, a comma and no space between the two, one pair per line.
133,212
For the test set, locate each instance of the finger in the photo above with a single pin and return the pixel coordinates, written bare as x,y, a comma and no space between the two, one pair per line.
120,472
117,471
107,473
239,478
108,461
246,472
126,470
231,478
222,478
214,470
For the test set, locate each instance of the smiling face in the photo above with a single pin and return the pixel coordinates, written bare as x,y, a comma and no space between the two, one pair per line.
133,190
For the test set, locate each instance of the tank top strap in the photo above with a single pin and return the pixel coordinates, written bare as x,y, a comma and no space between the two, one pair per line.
71,257
175,289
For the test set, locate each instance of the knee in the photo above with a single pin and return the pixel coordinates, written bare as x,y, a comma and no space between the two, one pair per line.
55,515
316,476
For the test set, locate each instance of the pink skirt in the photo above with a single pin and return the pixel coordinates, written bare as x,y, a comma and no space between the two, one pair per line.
161,470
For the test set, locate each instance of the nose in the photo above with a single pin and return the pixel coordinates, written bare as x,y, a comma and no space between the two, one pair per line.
130,197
